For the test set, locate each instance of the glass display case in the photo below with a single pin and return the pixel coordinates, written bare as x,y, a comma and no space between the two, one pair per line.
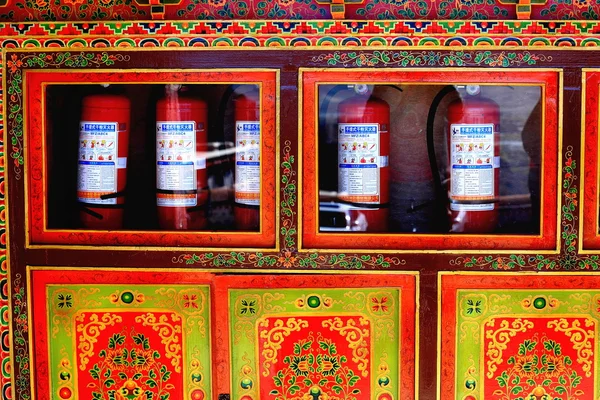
405,157
137,155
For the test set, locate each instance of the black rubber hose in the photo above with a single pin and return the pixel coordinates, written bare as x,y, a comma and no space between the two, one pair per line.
440,193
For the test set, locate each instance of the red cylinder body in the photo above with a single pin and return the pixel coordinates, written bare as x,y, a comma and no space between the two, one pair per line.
103,149
474,198
247,161
363,168
181,174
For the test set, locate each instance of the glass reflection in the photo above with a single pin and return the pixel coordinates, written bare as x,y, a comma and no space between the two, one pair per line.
430,158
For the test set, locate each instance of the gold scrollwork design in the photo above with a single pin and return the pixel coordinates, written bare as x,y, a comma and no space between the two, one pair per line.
595,306
247,378
359,305
498,303
169,297
499,339
383,380
356,337
471,376
196,372
61,320
584,300
385,326
168,332
65,369
83,295
583,341
197,322
469,330
269,298
66,303
90,332
275,336
243,327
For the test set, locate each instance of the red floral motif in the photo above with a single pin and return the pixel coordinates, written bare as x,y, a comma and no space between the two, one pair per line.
14,63
190,301
287,260
379,304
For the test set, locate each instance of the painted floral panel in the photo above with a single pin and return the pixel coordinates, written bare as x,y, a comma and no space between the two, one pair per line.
520,339
316,343
539,358
118,342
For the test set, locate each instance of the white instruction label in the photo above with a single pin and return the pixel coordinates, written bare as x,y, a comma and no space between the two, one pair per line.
247,162
176,163
472,165
97,169
359,163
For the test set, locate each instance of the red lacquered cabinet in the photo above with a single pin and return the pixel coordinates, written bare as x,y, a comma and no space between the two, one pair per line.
299,200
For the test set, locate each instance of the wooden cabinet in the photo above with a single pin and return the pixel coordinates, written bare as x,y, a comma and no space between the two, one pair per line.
312,300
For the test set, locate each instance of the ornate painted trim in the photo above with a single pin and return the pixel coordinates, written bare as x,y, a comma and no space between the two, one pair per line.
388,58
320,28
296,34
7,372
289,197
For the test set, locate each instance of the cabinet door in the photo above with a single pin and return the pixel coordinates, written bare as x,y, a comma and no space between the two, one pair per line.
350,337
519,336
97,337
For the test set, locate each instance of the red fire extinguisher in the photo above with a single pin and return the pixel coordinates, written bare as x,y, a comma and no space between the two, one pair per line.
181,174
102,161
247,163
474,163
363,152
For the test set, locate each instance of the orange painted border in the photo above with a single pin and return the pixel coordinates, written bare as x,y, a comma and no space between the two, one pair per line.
547,240
36,178
409,330
39,323
591,147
